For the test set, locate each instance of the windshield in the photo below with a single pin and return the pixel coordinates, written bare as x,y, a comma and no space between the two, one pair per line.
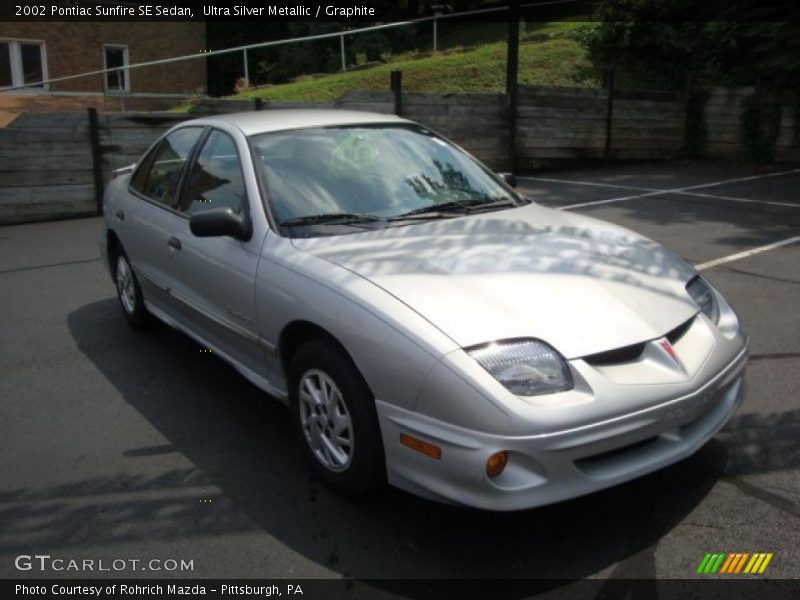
373,174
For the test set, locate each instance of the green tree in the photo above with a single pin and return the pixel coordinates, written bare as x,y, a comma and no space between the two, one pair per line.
747,42
651,43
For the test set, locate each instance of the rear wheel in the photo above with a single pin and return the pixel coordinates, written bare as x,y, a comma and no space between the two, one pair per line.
336,418
129,292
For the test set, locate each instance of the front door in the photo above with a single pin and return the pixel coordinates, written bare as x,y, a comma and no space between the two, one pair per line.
214,277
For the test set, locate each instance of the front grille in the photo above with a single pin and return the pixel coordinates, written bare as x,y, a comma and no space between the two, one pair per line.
677,333
634,351
615,356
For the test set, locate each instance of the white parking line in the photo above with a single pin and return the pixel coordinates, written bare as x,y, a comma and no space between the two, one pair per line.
746,253
731,199
748,178
591,183
677,190
612,200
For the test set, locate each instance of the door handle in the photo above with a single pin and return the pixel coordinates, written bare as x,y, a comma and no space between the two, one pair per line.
174,242
120,214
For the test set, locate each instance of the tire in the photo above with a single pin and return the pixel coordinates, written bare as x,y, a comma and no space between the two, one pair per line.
338,424
129,292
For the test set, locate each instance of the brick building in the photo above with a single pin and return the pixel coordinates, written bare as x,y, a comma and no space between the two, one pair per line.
36,51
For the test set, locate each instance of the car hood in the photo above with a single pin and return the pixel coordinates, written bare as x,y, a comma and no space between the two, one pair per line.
580,284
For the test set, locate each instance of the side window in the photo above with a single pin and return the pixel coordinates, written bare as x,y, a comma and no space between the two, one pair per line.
215,178
159,173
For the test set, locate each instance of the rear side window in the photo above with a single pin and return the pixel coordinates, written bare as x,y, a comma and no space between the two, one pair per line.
215,178
159,173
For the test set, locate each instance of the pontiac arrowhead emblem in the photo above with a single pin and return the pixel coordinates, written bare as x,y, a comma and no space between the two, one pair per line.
667,347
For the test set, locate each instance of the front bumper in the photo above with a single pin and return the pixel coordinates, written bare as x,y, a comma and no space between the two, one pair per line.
559,465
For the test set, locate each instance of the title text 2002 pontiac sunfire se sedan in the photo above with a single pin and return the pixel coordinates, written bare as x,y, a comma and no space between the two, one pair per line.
426,324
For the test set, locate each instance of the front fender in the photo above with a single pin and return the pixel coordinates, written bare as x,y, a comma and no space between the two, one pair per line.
392,346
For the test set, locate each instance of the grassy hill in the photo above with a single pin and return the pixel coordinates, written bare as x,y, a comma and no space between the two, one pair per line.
559,61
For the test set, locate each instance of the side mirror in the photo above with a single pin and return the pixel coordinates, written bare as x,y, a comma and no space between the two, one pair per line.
509,178
218,222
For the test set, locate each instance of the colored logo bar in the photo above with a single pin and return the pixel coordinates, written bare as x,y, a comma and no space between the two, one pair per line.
735,562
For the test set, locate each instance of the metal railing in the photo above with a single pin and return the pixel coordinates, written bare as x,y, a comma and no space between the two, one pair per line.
246,48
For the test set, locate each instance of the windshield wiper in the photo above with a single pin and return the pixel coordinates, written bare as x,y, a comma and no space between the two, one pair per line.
473,208
464,206
424,212
331,219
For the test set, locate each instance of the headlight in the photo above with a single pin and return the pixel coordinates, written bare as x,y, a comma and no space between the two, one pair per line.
704,297
525,367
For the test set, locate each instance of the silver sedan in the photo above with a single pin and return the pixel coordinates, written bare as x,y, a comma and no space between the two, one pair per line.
426,324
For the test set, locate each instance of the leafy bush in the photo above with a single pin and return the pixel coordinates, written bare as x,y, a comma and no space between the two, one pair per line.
373,45
761,122
695,134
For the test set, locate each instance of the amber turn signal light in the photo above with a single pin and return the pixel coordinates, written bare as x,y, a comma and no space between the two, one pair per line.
419,445
496,463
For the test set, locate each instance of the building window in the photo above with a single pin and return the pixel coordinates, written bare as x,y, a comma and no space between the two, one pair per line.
116,56
22,63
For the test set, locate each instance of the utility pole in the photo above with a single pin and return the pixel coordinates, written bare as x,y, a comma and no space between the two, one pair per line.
437,10
608,152
512,71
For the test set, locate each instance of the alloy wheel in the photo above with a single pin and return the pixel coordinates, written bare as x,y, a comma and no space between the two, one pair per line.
325,419
125,285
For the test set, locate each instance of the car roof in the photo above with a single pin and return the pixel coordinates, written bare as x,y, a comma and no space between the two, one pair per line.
264,121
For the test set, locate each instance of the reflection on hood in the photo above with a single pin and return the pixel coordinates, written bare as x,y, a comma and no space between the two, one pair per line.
582,285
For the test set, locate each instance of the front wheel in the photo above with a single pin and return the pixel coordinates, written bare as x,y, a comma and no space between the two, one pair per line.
335,414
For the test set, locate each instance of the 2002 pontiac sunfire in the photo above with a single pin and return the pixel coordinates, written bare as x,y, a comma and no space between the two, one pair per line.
427,325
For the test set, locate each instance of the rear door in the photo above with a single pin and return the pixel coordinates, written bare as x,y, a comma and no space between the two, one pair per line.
147,222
